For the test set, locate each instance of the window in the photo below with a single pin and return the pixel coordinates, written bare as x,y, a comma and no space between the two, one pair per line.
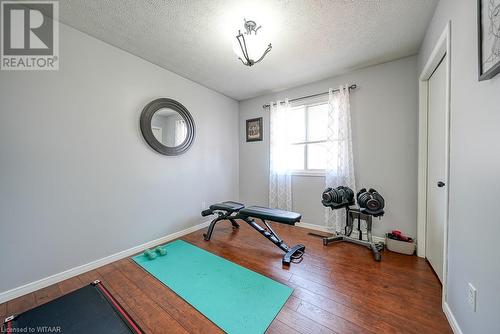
307,127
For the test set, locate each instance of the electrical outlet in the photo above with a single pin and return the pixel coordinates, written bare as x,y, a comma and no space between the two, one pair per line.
472,294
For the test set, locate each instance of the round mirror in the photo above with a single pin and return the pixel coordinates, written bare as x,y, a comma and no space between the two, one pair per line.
167,126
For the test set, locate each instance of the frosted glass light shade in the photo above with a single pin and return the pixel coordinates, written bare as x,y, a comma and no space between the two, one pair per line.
256,46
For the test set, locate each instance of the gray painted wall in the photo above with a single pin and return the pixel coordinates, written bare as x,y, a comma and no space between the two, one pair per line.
384,124
474,227
78,182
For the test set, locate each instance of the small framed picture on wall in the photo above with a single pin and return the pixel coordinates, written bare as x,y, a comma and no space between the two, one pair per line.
254,129
488,26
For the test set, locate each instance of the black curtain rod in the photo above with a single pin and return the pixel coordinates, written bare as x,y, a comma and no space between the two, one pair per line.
354,86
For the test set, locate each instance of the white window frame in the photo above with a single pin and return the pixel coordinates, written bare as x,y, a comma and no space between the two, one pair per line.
306,171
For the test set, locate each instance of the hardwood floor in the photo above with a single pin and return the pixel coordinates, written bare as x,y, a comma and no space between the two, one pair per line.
337,289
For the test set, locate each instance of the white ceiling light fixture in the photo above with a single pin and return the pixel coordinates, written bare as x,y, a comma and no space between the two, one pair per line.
248,46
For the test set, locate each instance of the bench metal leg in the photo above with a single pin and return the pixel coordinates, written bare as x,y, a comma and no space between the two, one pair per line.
351,215
210,230
328,240
211,227
368,244
234,223
294,252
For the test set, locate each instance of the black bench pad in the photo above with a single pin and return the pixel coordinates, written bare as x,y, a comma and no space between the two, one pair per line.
228,206
275,215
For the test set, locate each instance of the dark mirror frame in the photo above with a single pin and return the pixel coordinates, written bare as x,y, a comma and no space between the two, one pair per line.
145,123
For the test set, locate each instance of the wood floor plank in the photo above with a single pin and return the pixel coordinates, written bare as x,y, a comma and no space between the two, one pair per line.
375,295
71,284
362,278
21,304
344,253
330,320
278,327
368,318
437,316
47,294
310,274
389,284
355,285
156,319
93,275
90,276
293,303
398,315
301,323
3,312
337,288
367,314
180,310
363,265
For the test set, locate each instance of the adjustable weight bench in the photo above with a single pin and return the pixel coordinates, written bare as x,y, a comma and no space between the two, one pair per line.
234,210
225,211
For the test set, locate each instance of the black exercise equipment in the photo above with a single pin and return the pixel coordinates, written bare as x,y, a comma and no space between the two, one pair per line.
337,198
91,309
234,210
371,204
224,211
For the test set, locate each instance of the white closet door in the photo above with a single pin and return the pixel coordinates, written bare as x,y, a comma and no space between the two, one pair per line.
436,172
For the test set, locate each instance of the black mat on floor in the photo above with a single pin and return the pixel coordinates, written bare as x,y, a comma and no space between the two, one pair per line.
91,309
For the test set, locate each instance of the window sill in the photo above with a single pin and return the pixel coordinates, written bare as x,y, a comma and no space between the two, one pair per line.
309,173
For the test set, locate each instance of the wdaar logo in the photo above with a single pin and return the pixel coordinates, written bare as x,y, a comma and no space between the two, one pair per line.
30,35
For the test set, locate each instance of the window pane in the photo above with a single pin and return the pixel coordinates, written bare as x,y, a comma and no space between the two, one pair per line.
316,156
296,156
296,131
318,120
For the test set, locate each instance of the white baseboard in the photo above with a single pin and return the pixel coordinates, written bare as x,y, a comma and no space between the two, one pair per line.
44,282
324,229
451,319
315,227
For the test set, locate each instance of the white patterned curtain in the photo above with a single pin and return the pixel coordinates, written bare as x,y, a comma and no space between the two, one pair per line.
280,179
339,160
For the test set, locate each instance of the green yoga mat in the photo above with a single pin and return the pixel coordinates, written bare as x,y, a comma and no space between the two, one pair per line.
236,299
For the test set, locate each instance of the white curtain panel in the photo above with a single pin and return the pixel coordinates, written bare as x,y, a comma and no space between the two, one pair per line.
280,179
339,160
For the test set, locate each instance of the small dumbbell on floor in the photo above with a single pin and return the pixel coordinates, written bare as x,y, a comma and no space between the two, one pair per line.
152,254
160,251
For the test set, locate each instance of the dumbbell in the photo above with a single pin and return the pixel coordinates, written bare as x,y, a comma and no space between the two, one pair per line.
371,202
338,197
160,251
151,255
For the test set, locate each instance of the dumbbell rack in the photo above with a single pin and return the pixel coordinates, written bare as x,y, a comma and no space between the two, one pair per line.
351,216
